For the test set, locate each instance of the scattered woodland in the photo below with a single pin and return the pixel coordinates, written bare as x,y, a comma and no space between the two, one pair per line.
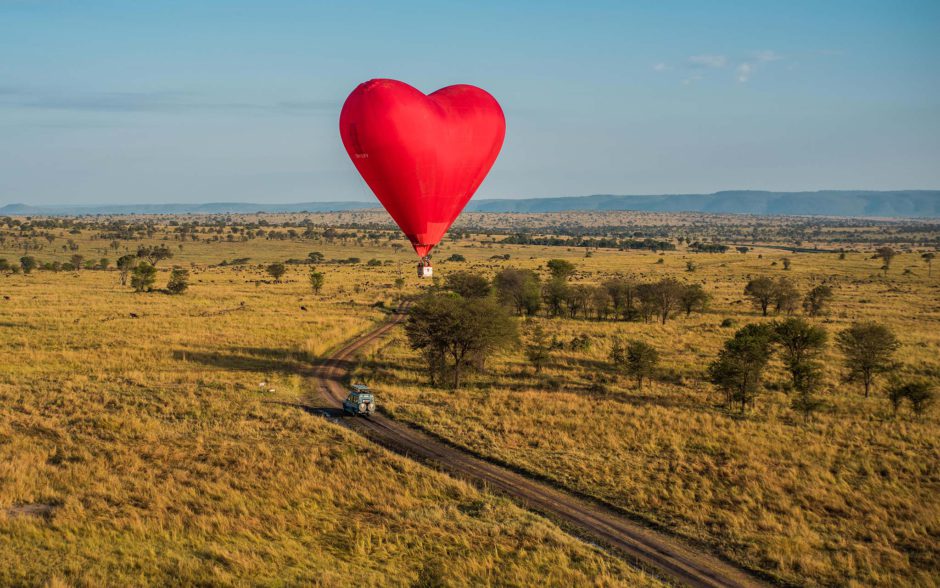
764,387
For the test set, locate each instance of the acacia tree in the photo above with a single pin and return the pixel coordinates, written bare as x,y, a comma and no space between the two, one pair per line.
801,344
519,289
637,359
693,297
125,264
143,277
317,279
869,350
276,271
538,349
886,254
28,263
660,299
817,299
928,259
445,327
761,291
154,254
740,364
179,281
786,296
622,294
560,269
555,293
467,284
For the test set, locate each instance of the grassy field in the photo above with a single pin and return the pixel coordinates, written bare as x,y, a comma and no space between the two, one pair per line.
146,438
852,497
147,451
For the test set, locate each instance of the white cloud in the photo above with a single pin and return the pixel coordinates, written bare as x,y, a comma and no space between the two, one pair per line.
708,61
660,67
767,55
744,72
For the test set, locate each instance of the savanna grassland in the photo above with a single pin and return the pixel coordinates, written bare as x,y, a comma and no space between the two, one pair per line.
147,437
849,496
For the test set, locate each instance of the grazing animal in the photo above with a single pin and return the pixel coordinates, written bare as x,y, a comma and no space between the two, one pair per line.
303,308
134,315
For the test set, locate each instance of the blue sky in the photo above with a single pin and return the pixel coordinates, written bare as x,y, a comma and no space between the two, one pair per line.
105,102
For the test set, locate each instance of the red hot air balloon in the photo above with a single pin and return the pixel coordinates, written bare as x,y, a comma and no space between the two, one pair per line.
422,155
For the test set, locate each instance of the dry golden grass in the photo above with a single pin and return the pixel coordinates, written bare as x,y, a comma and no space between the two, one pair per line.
852,497
144,451
164,460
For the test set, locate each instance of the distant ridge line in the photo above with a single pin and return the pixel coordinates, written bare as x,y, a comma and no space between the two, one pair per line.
846,203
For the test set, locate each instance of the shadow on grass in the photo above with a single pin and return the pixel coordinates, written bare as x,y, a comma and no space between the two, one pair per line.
249,360
314,409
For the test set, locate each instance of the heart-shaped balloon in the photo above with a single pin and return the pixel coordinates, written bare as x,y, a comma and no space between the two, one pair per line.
423,156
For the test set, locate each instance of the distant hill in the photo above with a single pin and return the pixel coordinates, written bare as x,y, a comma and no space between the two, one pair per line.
900,203
859,203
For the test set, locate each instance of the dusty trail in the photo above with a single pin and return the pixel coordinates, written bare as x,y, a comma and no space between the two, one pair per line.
650,549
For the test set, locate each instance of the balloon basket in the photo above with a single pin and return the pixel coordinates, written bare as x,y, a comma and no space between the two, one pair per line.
424,268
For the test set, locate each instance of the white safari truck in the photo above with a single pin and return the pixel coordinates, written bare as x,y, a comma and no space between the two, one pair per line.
359,401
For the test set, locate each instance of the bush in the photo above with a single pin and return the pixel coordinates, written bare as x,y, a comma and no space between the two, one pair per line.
179,281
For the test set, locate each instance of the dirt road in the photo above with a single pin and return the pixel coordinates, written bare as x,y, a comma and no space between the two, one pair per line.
661,554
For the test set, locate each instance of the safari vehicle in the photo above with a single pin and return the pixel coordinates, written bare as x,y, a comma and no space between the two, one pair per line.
359,401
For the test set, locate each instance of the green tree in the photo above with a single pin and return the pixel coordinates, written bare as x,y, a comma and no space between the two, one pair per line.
801,345
318,279
817,300
693,297
786,296
637,359
154,254
125,264
555,293
28,263
869,350
445,327
622,294
467,284
886,254
928,259
661,298
538,349
561,269
315,257
77,261
519,289
276,271
179,281
143,277
761,291
740,365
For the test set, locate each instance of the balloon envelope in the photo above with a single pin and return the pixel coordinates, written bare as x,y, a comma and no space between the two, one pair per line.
422,155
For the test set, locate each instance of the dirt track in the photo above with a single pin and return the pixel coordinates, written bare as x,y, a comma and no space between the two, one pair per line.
661,554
